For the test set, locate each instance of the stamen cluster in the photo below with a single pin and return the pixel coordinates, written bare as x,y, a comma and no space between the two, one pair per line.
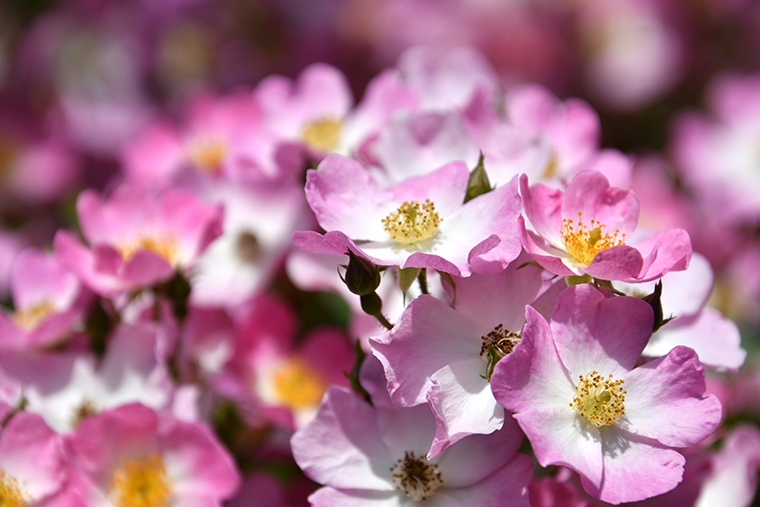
11,492
585,241
297,385
416,476
503,340
322,134
28,318
165,246
412,222
208,154
598,399
141,481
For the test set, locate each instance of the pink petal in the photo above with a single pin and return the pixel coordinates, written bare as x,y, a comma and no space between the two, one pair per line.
592,332
665,400
341,446
635,468
462,403
428,336
590,193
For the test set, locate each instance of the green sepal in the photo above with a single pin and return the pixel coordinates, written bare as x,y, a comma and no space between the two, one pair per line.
478,183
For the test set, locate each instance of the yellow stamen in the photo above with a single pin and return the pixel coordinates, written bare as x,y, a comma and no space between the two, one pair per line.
140,481
584,242
28,318
412,222
552,165
166,246
600,400
298,386
12,493
208,154
323,134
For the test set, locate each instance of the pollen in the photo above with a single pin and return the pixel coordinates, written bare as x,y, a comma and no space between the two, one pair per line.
140,481
163,245
86,408
585,241
501,339
322,134
417,477
28,318
297,385
600,400
208,154
12,494
413,222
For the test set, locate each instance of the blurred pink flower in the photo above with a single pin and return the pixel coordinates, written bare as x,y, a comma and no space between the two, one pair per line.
136,238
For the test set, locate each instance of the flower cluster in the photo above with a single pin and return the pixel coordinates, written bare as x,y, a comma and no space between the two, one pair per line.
448,292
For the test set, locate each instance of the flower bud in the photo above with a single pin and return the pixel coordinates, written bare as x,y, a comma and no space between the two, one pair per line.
362,276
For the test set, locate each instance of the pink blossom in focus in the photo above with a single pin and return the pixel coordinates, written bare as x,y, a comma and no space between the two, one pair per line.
441,356
440,232
574,388
585,230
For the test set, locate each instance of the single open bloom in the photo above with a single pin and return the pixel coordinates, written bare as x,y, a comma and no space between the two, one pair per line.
137,239
573,389
374,454
421,222
133,456
444,356
587,230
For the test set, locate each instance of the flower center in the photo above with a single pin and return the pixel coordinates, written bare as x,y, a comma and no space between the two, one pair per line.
164,246
552,166
598,399
322,134
11,492
297,385
140,481
86,408
28,318
497,344
412,222
585,241
208,154
416,476
248,248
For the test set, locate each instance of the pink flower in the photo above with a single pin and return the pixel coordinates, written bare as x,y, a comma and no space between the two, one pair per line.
420,222
733,480
32,466
717,156
136,239
375,455
443,356
573,131
219,137
131,454
66,387
275,379
50,302
575,392
585,230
